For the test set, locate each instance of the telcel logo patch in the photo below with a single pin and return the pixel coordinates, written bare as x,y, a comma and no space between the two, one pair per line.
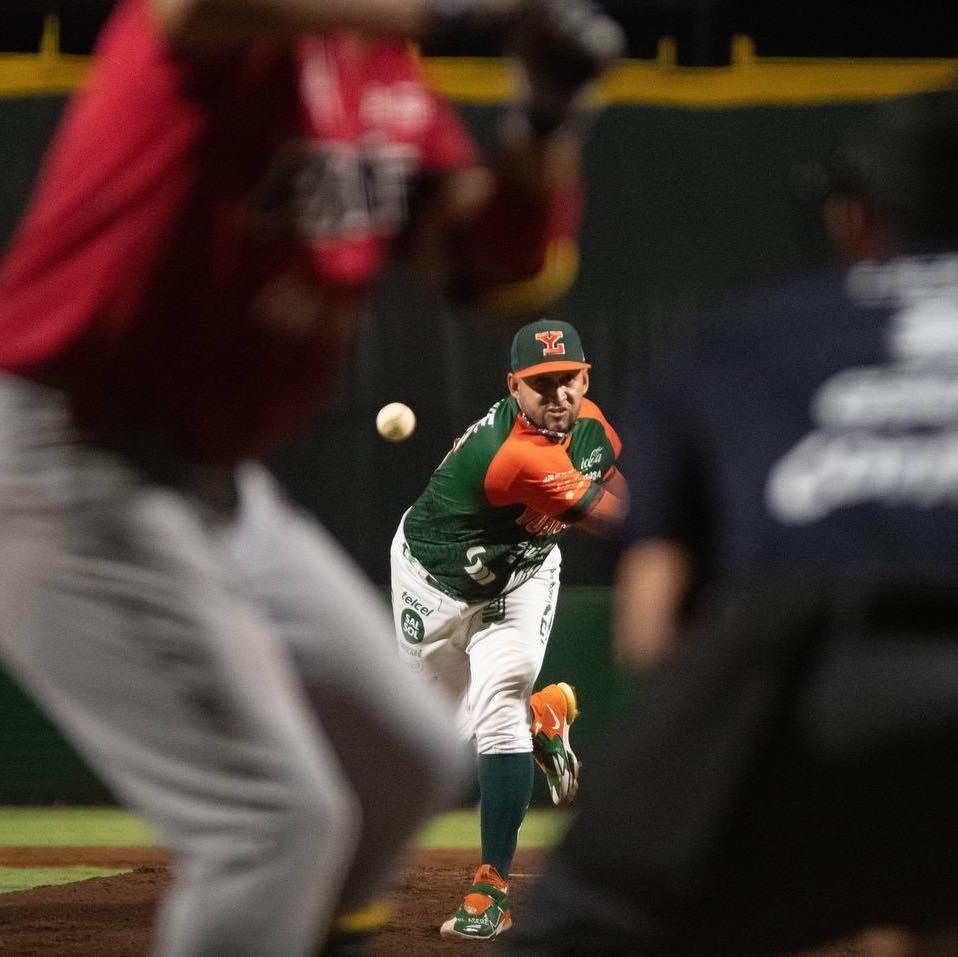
416,605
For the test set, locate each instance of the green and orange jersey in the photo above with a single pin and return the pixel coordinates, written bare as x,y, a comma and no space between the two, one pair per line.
503,496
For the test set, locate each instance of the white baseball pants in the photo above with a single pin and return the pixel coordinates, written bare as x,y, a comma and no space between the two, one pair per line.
486,655
219,661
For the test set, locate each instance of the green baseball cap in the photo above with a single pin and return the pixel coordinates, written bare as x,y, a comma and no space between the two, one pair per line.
546,345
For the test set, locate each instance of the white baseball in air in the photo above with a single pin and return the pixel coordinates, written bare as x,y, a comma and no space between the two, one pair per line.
395,422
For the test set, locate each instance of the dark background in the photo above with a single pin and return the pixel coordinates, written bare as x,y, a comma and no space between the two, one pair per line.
887,28
685,206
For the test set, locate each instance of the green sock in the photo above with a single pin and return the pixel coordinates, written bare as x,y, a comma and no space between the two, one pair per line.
505,789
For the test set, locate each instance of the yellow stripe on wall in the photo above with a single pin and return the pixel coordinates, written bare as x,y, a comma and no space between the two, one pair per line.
749,81
46,72
32,75
775,82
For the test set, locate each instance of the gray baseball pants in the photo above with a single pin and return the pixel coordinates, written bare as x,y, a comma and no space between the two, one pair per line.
218,660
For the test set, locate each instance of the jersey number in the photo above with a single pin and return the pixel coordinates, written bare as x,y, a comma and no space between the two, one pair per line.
476,570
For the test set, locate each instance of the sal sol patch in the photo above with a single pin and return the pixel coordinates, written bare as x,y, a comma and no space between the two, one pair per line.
411,626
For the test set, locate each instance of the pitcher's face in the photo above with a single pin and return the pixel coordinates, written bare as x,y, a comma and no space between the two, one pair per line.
550,400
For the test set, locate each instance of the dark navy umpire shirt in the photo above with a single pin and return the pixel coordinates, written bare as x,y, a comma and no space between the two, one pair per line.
814,424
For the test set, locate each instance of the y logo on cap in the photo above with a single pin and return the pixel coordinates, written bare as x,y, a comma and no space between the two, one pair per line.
551,344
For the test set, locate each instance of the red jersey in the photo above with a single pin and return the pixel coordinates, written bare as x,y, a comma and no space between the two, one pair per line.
206,228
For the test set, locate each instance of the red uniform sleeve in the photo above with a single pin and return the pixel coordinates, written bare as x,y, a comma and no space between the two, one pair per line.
521,251
532,471
446,145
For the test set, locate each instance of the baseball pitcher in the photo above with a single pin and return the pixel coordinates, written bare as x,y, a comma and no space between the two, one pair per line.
475,578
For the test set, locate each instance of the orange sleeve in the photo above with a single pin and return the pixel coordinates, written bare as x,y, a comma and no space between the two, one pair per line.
532,471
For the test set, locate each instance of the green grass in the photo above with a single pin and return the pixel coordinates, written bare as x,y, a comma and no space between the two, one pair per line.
72,826
109,827
23,878
461,829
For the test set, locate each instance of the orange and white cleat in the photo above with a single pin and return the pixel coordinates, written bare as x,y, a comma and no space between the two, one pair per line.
484,911
554,708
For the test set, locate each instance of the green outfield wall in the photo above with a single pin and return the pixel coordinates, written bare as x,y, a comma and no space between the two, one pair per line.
700,185
39,767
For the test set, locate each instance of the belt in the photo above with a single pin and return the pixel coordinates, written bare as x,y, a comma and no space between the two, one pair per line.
420,570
